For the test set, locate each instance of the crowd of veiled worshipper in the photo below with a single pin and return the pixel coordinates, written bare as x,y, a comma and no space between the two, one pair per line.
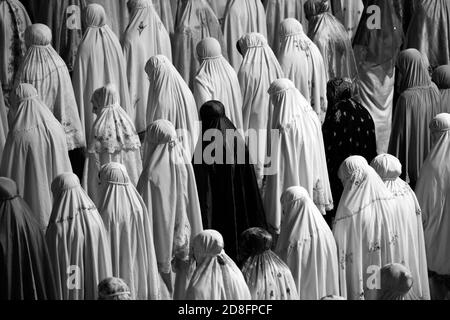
225,150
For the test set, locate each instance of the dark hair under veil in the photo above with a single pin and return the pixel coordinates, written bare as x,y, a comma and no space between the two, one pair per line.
348,130
229,195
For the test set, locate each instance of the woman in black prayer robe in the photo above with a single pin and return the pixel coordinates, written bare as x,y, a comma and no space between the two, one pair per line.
228,191
348,130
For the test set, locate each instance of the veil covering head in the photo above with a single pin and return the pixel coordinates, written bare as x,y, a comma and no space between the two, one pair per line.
35,151
441,77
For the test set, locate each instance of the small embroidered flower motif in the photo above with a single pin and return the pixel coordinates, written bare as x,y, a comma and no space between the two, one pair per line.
374,247
141,27
338,116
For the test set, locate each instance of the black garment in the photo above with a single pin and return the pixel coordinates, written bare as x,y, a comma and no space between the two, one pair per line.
77,160
253,242
229,196
348,130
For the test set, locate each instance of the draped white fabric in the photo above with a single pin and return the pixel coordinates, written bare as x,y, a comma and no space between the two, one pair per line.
241,17
216,80
144,38
3,122
99,61
303,63
130,234
389,169
47,72
307,245
117,13
216,276
35,151
353,10
170,99
299,152
77,241
164,10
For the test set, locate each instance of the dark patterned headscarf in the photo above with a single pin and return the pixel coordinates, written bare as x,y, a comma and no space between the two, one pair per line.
339,90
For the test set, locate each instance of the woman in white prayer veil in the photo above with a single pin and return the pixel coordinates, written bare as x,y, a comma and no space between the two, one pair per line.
170,99
168,188
279,10
197,21
302,62
258,70
130,233
35,151
216,276
389,169
299,158
14,20
3,122
47,72
441,77
241,17
144,37
116,11
307,246
216,80
113,139
77,241
365,229
433,195
99,61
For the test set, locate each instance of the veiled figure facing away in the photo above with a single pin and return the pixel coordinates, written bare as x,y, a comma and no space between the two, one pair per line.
113,139
267,276
429,30
170,99
14,21
228,191
216,80
241,17
197,22
433,195
441,77
144,38
307,246
168,188
332,40
26,272
77,241
35,151
130,234
216,276
365,229
117,13
396,282
43,68
418,104
297,152
410,218
258,70
279,10
99,61
302,63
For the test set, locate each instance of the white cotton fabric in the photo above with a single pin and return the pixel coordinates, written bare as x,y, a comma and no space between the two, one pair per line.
197,21
171,99
389,169
47,72
216,80
216,276
3,122
99,61
117,13
144,38
219,7
299,158
113,139
35,151
164,10
433,195
366,229
77,241
241,17
306,244
130,233
302,62
258,70
168,188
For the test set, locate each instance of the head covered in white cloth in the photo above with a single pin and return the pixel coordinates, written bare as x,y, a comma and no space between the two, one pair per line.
307,245
171,99
216,80
77,237
47,72
130,231
216,276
